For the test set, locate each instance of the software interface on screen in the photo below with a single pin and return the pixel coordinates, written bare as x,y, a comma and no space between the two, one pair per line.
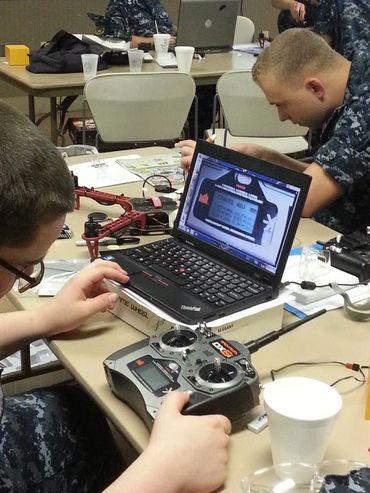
239,211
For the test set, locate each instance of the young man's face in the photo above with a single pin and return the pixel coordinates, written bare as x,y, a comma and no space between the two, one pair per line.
25,258
300,105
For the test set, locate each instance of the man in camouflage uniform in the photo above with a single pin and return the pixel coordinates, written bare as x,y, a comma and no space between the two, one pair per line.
314,86
133,20
55,440
344,24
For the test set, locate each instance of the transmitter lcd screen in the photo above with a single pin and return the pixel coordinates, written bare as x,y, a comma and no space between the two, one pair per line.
152,376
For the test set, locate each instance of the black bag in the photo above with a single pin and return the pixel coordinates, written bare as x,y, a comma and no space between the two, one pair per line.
62,54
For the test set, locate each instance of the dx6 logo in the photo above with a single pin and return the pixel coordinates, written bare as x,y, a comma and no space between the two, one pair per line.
224,348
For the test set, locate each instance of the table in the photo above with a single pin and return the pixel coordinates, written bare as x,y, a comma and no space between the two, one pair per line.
205,71
329,337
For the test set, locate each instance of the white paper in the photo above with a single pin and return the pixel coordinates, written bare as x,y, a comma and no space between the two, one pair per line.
107,174
284,296
112,44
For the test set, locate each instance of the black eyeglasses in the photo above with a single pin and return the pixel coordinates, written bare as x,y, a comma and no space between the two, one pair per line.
25,281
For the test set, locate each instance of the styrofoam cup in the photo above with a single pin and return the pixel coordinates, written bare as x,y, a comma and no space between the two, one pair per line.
135,59
89,65
161,43
301,414
184,56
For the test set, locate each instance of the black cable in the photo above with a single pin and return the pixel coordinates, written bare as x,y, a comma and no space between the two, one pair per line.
351,366
170,187
310,285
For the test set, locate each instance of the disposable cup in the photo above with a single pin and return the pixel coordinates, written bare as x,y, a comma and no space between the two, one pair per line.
135,59
184,56
301,414
89,65
161,43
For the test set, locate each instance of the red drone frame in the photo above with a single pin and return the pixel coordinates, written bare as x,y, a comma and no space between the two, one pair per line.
130,216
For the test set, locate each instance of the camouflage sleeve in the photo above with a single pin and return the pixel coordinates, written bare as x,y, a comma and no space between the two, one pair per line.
346,155
357,481
117,20
324,19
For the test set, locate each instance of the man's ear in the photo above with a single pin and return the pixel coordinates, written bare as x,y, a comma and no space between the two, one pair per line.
315,87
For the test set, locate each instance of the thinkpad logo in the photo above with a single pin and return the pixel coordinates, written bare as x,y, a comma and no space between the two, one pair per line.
190,308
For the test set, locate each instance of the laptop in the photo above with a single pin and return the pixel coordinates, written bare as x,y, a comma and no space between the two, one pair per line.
207,24
230,242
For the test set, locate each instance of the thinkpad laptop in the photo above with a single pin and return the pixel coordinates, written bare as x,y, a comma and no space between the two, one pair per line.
207,24
236,222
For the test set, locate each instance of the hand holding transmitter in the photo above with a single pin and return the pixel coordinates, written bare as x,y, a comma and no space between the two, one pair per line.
217,372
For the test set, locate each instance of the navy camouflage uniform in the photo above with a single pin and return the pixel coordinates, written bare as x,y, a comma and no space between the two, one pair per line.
347,22
285,20
357,481
124,18
345,152
55,440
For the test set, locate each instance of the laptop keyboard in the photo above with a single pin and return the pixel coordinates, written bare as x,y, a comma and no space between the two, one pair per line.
195,273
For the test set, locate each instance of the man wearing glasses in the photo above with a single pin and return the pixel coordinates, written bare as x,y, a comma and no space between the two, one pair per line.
55,439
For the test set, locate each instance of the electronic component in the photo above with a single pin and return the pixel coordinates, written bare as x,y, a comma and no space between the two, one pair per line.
351,253
258,424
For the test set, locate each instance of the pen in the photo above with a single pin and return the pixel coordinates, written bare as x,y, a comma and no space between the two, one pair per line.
113,241
211,139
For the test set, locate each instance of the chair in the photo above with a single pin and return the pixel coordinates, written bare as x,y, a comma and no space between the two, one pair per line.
249,118
244,30
140,107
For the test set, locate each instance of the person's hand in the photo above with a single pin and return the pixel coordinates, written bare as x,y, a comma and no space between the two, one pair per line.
191,450
298,11
186,148
83,296
252,150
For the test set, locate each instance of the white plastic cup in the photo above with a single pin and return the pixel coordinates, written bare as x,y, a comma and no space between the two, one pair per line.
184,56
161,43
301,414
135,59
89,65
314,265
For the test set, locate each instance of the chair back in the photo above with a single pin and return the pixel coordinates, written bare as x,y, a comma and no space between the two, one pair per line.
244,30
247,111
140,107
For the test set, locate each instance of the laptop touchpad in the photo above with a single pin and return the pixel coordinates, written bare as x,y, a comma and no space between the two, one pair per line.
170,295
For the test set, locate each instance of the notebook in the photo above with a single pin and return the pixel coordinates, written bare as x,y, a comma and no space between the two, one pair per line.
207,24
230,242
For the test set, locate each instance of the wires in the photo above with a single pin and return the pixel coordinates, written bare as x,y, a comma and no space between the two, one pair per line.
158,187
310,285
356,367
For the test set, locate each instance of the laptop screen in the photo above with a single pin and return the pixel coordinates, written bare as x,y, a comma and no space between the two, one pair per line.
240,210
207,23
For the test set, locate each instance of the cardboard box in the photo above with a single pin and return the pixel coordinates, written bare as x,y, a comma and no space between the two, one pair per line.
244,329
17,54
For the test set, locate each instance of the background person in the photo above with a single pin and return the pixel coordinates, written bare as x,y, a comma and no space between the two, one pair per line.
55,439
294,13
344,24
134,21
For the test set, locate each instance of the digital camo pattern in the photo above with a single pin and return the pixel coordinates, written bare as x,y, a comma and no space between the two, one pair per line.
285,20
55,441
345,152
347,22
125,18
354,482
